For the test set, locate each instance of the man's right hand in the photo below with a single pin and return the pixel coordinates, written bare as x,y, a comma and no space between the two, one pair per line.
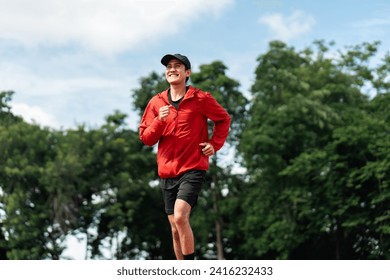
164,112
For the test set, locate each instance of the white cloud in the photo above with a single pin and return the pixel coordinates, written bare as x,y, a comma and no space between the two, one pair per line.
104,26
290,27
32,83
41,59
34,114
64,100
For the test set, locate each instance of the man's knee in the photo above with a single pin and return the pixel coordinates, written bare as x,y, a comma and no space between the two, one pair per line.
181,219
182,212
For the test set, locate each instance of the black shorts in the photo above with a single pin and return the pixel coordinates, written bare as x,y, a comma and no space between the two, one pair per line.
185,187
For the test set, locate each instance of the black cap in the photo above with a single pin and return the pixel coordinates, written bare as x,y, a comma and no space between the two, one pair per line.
166,58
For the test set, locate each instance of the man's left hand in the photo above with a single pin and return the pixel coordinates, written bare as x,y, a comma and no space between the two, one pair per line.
208,149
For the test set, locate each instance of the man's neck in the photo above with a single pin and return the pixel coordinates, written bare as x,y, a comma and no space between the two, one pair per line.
177,91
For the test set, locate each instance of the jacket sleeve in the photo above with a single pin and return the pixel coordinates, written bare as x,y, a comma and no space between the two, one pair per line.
151,128
215,112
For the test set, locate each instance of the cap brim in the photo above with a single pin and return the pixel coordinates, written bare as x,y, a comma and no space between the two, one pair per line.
166,58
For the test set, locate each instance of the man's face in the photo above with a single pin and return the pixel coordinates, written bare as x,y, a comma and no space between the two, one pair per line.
175,72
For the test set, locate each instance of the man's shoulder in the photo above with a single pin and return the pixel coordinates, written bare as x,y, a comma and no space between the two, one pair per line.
198,92
158,97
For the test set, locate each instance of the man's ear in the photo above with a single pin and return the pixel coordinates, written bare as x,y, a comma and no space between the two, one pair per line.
188,72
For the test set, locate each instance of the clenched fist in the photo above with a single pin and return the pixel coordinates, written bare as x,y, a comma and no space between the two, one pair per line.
164,112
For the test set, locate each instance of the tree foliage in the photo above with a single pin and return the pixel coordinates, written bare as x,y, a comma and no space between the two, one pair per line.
315,148
216,208
93,183
314,151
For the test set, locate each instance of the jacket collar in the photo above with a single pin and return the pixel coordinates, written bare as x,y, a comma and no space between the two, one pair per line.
189,94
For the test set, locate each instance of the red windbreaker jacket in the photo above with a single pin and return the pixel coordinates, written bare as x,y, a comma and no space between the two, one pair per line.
180,135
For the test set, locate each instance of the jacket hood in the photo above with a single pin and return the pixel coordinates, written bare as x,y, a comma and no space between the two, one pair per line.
189,93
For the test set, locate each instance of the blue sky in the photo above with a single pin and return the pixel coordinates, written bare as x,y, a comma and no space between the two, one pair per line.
74,62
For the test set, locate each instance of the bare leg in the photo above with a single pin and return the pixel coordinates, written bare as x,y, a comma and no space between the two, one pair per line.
182,221
175,238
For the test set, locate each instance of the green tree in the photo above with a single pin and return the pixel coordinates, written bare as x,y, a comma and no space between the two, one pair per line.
91,182
308,141
130,214
212,78
149,86
6,117
28,225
